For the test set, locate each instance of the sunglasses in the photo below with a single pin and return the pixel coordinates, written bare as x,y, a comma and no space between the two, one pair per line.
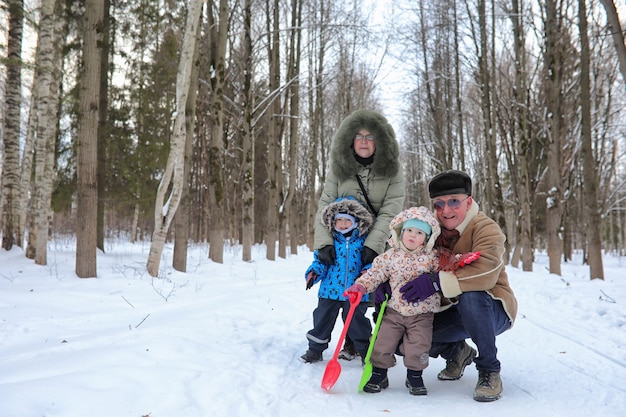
453,203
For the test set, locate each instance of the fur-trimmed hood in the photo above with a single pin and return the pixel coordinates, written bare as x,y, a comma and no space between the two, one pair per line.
420,213
351,206
386,157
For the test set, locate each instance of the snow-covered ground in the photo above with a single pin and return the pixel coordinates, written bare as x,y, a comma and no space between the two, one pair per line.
224,340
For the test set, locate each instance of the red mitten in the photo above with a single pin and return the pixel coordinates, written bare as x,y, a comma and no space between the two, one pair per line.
310,279
468,258
356,287
449,261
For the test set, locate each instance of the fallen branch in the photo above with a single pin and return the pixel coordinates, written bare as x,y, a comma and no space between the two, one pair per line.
128,302
144,319
607,299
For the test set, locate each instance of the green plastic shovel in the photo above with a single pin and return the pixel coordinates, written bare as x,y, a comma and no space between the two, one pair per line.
367,369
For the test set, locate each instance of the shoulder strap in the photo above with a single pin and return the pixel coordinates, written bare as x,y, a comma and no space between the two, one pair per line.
367,199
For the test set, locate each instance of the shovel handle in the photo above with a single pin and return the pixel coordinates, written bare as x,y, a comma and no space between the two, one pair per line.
354,302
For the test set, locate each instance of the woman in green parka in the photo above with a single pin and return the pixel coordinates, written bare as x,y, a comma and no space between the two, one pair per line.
364,164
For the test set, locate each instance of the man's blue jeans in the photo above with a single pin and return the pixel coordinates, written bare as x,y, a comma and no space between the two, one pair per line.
477,316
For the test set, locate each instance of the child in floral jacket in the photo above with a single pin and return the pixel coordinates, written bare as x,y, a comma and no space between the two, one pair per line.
413,234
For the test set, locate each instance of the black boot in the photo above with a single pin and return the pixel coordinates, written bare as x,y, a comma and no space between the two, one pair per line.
415,383
311,356
378,381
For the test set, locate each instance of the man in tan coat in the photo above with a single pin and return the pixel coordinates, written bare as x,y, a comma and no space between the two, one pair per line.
481,303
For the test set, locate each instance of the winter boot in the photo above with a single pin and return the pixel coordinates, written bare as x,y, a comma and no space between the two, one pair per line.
349,351
456,366
489,386
415,383
378,381
311,356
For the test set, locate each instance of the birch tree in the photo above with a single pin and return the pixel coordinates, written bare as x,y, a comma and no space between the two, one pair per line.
47,79
181,220
11,137
170,188
26,164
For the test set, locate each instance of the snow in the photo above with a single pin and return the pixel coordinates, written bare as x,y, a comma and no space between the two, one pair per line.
224,340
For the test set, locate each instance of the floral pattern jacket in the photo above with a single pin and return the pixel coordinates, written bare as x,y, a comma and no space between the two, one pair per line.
399,266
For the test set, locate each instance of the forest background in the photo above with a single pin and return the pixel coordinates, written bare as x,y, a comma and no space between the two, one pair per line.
211,121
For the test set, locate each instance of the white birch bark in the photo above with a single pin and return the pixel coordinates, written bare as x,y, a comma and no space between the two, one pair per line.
11,138
166,204
47,74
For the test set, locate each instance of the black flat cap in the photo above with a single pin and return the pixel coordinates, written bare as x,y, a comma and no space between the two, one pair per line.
450,182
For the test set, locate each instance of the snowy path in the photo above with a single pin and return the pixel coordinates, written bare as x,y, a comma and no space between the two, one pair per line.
225,340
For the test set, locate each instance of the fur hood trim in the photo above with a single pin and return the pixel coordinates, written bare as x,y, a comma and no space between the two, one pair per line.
419,213
386,157
352,207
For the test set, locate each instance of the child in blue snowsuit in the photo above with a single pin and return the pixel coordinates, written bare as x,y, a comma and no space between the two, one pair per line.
349,222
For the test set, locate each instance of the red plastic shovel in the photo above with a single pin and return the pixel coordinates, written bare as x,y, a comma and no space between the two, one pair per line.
333,368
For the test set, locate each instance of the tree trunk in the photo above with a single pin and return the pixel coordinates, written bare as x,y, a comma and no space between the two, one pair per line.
317,167
48,75
182,220
553,93
522,138
11,140
104,133
172,181
247,218
288,215
134,229
27,164
273,132
459,99
493,190
216,154
592,221
87,138
615,28
293,76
